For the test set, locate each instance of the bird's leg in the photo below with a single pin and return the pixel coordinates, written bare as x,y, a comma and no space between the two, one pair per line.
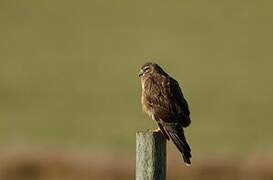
154,130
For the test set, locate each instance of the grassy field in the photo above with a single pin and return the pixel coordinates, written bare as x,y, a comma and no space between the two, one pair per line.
68,71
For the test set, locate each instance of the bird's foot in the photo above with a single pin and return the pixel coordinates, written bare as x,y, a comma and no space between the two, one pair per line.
154,130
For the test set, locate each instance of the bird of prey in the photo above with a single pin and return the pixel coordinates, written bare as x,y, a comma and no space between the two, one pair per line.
163,101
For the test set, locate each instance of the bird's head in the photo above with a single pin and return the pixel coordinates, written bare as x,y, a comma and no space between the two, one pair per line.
150,68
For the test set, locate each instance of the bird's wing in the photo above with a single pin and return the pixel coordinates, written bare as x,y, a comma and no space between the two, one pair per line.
156,96
158,93
172,129
161,97
164,95
180,104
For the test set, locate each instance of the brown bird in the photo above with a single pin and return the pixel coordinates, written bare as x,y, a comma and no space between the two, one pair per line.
163,101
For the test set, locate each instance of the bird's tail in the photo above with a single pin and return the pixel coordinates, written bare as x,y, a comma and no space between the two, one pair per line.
177,135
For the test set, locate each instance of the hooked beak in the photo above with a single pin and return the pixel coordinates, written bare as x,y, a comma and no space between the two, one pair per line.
140,73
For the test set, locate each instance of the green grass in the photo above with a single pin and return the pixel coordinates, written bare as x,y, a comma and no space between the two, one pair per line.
68,71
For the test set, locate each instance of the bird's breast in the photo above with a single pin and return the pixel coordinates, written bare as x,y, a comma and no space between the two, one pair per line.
146,107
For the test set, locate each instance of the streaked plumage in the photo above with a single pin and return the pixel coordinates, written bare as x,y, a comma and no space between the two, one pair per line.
163,101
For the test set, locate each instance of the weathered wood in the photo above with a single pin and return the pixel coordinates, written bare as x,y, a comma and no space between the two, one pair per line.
150,156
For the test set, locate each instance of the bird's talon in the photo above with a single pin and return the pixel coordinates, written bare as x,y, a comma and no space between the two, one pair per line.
154,130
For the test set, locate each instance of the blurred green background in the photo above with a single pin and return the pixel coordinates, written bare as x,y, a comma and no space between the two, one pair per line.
68,71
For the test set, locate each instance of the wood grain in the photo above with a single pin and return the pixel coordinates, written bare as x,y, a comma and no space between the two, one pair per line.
150,156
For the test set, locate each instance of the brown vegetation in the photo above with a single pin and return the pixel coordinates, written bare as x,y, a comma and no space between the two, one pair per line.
55,165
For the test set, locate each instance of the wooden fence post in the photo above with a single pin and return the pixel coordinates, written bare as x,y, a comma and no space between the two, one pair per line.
150,156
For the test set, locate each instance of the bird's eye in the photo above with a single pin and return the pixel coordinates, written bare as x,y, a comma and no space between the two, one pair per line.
146,69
